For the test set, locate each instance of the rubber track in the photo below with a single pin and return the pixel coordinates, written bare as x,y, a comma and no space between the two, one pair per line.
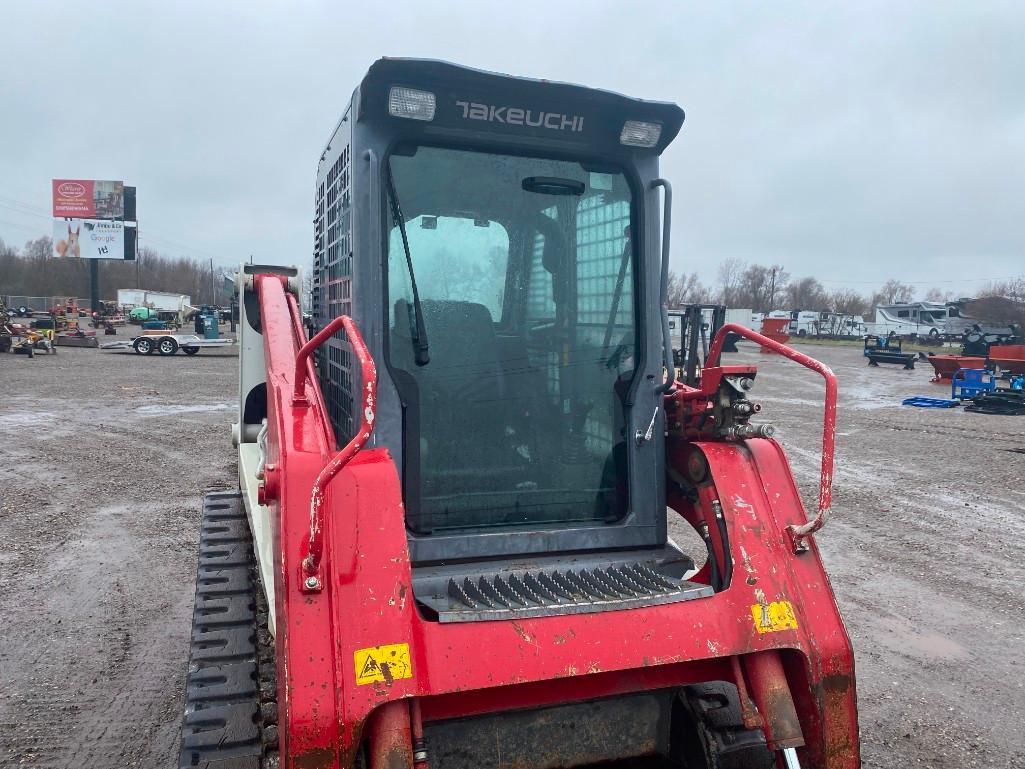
230,713
715,710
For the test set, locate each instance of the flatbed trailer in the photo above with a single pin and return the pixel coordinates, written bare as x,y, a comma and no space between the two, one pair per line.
167,344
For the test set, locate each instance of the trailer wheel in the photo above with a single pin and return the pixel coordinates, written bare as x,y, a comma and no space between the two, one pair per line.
709,720
190,350
143,345
167,346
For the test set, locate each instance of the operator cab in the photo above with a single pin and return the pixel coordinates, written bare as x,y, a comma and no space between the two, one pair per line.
497,240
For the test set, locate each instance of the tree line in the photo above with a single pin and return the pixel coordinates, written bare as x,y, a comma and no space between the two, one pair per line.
765,288
33,271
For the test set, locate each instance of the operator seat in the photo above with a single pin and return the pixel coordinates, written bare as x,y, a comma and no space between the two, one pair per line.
466,426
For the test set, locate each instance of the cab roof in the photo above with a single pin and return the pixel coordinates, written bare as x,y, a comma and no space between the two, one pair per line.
465,91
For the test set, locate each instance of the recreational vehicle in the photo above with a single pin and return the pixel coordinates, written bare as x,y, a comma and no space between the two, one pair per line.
911,318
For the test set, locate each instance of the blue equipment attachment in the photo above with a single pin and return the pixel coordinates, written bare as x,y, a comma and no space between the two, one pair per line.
886,349
969,382
930,403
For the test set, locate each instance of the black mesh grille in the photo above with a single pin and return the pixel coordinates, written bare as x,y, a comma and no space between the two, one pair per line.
332,284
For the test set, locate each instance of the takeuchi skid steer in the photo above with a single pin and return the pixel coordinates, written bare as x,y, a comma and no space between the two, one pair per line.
449,548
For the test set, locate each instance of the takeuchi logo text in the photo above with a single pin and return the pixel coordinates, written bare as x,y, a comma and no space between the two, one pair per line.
492,113
71,190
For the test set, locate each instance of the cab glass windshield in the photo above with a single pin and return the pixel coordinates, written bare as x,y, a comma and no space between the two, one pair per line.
514,354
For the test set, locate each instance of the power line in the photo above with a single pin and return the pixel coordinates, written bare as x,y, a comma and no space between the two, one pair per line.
27,209
21,211
19,226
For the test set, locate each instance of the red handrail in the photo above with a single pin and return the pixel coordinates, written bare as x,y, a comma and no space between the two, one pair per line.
797,533
310,579
301,360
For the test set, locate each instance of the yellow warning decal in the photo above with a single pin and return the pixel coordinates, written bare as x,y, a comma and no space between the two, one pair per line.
382,664
773,617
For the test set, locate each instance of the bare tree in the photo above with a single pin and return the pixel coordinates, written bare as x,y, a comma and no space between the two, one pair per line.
39,249
938,295
687,289
34,271
1012,289
807,294
761,288
893,291
996,309
849,302
730,272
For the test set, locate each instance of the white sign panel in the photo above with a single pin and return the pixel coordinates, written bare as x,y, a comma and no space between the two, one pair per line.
88,239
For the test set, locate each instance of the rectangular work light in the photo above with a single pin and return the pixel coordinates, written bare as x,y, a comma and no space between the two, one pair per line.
637,133
411,103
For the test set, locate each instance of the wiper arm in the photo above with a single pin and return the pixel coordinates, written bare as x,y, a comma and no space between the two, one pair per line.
421,349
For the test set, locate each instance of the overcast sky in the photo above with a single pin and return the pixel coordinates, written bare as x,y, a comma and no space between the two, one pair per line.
854,142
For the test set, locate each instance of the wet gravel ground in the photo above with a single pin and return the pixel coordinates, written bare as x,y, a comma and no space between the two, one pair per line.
104,459
924,551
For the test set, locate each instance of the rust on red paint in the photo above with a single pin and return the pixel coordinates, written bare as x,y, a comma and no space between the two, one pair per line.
318,758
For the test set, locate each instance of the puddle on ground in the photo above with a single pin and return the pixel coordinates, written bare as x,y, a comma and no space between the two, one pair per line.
931,645
162,410
27,419
919,641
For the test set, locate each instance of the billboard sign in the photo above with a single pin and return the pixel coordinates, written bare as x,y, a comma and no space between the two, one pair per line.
88,199
88,239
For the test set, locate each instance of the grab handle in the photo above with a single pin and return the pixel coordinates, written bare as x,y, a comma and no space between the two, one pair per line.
310,576
663,289
797,534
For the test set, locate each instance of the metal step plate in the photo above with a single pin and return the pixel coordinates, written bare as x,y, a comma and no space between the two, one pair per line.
545,592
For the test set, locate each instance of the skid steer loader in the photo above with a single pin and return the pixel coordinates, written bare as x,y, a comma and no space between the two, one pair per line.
449,545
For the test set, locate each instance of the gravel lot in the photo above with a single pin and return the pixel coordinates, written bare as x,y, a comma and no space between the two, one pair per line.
924,553
104,459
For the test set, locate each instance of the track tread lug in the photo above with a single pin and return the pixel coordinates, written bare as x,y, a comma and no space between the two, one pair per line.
227,722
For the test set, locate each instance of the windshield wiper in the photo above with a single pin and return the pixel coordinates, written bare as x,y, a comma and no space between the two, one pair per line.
421,349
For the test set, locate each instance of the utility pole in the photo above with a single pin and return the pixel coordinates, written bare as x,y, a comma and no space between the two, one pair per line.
213,289
94,285
772,290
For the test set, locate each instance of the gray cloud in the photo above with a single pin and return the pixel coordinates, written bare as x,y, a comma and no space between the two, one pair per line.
854,142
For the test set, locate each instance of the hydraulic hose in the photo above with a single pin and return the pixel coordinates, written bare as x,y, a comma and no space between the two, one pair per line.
724,538
713,564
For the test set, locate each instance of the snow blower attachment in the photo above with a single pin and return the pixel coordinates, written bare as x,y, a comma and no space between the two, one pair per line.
450,544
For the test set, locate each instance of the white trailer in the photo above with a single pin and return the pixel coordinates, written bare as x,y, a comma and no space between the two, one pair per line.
803,323
166,344
162,301
745,318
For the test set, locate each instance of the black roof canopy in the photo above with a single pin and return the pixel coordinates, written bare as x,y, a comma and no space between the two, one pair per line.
476,103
